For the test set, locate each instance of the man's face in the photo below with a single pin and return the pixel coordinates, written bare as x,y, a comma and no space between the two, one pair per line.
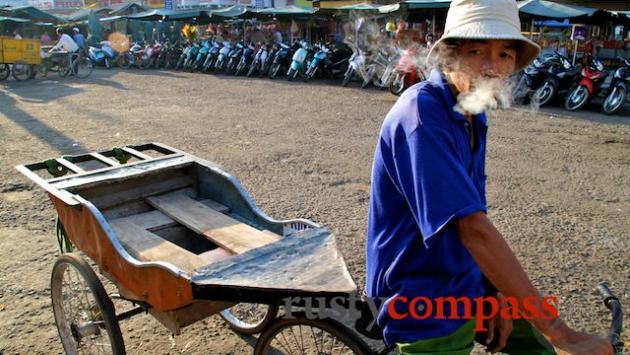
482,59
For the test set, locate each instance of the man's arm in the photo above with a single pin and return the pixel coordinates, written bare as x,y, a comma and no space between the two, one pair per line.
499,264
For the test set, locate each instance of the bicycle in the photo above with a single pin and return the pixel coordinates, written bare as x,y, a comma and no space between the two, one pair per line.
67,64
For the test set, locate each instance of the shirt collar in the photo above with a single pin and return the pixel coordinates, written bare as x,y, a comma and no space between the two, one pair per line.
439,82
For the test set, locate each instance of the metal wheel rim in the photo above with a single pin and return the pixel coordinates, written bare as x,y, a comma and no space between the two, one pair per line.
84,68
21,71
398,83
68,330
577,98
614,100
306,339
544,93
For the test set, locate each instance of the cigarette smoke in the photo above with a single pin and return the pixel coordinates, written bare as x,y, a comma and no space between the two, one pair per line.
486,94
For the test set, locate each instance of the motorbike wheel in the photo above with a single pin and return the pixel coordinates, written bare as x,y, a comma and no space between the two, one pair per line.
251,71
5,71
614,101
239,69
520,90
291,74
123,61
347,76
273,72
544,93
398,85
577,98
108,63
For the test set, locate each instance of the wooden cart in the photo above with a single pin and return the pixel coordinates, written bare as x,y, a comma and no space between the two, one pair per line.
180,238
18,57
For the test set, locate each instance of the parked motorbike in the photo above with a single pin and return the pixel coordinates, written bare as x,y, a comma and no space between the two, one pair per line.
592,77
211,58
222,58
282,59
532,78
202,54
191,56
183,57
376,66
356,65
102,55
317,63
133,56
260,59
408,72
298,61
558,75
246,60
618,90
234,57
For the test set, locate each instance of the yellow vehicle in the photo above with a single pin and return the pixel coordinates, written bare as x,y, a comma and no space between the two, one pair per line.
18,57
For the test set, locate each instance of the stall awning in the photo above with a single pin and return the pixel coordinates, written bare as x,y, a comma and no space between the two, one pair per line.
165,15
31,13
111,18
229,12
356,7
548,9
13,19
416,5
291,10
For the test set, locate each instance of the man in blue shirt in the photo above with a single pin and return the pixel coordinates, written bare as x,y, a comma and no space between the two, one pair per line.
428,235
79,39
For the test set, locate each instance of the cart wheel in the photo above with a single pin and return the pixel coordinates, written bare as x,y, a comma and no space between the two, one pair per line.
5,71
249,318
300,335
83,67
84,314
21,71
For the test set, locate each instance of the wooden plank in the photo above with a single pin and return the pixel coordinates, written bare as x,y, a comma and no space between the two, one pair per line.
150,221
70,166
105,159
223,230
215,255
147,246
136,153
215,205
109,200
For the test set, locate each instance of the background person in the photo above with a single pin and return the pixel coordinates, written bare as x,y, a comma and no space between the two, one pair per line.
428,233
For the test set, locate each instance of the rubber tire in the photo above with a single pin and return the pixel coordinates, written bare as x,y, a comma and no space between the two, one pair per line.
567,100
535,95
108,63
106,307
398,90
24,73
251,71
341,332
347,76
272,312
291,74
274,70
622,99
5,71
123,61
88,68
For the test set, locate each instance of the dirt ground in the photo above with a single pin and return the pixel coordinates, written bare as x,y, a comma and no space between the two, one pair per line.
558,187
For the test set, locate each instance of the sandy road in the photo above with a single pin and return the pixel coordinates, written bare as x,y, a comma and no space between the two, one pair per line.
558,187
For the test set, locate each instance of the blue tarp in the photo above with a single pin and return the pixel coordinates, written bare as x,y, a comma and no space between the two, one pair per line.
542,8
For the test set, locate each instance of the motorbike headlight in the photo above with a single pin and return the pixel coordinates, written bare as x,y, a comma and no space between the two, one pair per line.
600,66
566,64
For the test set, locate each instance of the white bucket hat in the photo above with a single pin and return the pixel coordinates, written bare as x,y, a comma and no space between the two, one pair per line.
487,19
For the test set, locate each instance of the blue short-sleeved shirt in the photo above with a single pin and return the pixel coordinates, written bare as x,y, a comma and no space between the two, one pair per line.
425,176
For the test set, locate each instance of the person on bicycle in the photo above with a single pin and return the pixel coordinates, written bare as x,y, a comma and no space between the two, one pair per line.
66,44
428,236
79,39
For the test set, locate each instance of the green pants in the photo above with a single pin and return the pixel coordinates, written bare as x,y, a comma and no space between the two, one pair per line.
524,340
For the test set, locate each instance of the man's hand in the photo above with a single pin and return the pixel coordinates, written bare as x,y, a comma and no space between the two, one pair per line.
499,329
571,342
